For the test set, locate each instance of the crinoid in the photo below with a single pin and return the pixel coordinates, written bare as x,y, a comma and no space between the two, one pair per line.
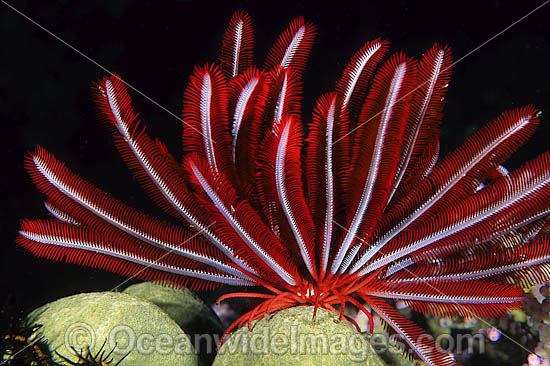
351,207
18,346
86,358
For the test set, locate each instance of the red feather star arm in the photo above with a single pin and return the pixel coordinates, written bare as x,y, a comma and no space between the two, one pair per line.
238,46
422,344
60,241
433,76
511,198
280,183
383,121
93,208
135,147
327,167
206,130
247,103
284,96
468,299
159,177
498,243
353,83
243,221
59,213
288,176
245,96
459,174
524,265
293,47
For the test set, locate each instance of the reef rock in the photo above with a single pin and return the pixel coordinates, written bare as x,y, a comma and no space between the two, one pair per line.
291,337
133,327
194,317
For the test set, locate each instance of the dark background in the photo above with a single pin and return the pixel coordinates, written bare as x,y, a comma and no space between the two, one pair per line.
46,96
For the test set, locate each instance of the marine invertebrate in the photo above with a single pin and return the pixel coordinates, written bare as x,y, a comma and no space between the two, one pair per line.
18,346
87,358
359,211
